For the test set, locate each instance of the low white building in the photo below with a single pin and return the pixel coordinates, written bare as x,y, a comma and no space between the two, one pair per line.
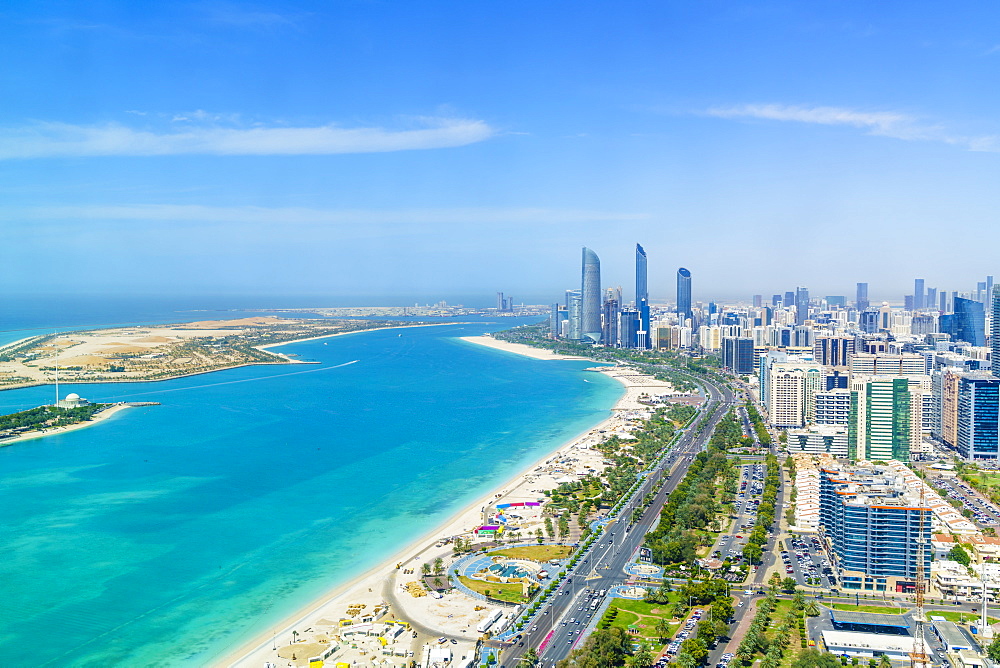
868,644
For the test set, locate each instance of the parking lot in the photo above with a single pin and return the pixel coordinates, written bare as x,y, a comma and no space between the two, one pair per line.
984,512
804,559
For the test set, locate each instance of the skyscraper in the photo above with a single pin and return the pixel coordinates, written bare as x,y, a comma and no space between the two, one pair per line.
861,301
978,412
801,305
642,297
967,323
641,292
995,332
590,318
574,307
684,293
918,293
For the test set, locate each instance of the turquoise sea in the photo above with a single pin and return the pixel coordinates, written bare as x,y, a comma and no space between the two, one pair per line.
170,535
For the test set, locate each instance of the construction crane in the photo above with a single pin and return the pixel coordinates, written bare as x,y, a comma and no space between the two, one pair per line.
918,657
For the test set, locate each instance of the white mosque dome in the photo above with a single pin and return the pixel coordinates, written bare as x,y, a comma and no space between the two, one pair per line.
72,396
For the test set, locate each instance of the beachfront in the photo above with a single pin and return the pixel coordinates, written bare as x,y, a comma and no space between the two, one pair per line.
348,622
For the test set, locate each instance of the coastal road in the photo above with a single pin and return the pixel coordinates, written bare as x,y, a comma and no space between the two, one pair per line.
561,622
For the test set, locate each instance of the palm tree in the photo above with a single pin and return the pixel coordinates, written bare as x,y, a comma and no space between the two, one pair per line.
530,658
663,629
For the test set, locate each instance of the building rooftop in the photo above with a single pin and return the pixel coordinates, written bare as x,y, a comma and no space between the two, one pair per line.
867,641
869,619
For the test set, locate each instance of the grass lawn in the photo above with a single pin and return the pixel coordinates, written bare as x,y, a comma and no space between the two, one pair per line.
510,592
991,479
955,616
536,552
879,609
645,616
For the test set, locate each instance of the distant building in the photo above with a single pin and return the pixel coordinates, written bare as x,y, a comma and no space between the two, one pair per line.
833,350
574,315
801,305
836,301
72,400
918,293
591,291
641,290
861,300
684,294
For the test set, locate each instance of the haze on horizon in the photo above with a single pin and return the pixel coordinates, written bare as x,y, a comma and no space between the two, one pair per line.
373,148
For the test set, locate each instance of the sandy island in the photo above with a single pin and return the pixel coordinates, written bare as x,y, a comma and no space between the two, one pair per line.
455,616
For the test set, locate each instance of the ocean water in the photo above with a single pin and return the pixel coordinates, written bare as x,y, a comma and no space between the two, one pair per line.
170,535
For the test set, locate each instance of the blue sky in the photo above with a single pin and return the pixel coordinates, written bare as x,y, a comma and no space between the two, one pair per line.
442,148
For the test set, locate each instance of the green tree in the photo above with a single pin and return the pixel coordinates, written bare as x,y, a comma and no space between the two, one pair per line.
642,658
663,629
549,528
529,659
812,609
993,651
788,584
426,568
884,662
439,565
959,554
604,648
813,658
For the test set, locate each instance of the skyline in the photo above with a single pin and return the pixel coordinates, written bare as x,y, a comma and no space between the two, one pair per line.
287,147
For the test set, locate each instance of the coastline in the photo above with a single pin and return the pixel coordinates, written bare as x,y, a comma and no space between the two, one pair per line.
42,433
287,360
518,348
370,585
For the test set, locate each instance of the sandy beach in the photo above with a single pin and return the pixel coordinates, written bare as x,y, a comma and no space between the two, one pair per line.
42,433
456,615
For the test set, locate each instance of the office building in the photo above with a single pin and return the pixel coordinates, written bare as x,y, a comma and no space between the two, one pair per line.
801,305
875,523
978,428
758,301
918,293
967,322
574,315
833,407
886,418
818,439
930,299
833,350
861,300
788,388
684,294
641,289
610,308
836,301
591,292
995,330
884,364
737,355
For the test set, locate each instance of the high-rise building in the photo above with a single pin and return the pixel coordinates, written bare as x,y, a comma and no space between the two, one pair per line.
737,355
611,307
995,331
789,299
883,414
590,318
758,301
836,301
918,293
574,315
967,323
978,413
833,350
861,301
801,305
684,293
775,300
930,300
876,525
641,290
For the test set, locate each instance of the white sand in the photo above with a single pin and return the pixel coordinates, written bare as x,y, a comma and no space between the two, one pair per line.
103,415
455,614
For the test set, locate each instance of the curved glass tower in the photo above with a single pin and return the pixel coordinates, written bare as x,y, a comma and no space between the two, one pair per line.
641,291
591,289
684,292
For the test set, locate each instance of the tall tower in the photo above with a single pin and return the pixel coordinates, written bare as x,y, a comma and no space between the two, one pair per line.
591,291
642,298
641,292
684,293
918,294
861,300
801,305
995,331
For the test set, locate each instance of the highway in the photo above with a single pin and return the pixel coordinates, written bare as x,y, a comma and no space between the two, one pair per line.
559,624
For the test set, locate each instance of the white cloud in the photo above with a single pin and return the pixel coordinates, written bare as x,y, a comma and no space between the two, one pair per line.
44,140
181,213
882,123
